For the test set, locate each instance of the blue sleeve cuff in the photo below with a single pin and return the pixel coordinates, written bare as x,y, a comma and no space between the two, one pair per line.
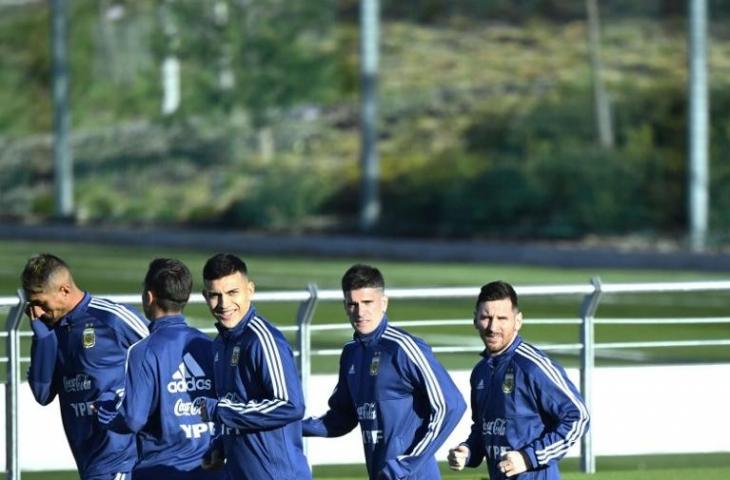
528,453
208,408
40,329
393,470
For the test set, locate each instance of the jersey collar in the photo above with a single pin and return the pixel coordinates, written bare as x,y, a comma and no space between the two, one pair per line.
235,331
166,321
496,359
77,312
375,335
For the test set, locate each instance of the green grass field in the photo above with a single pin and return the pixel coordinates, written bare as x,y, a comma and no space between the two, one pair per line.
658,467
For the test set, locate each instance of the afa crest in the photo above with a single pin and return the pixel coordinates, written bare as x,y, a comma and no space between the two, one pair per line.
375,364
508,384
89,336
236,355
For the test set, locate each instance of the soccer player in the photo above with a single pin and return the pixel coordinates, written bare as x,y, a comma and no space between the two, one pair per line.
166,372
526,413
391,383
260,401
78,350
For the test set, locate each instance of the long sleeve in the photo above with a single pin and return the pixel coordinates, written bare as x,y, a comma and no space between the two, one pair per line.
130,325
560,401
475,441
431,381
281,402
341,417
131,328
43,353
131,413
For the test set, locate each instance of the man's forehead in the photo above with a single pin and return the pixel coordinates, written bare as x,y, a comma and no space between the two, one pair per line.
501,305
229,282
35,294
367,293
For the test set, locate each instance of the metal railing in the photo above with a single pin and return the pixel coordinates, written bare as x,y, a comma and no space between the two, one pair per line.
591,295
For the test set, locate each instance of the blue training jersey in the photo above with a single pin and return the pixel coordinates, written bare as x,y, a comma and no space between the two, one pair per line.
260,402
521,400
166,372
77,359
404,400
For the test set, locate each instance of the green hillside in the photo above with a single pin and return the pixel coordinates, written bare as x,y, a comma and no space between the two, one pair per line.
485,104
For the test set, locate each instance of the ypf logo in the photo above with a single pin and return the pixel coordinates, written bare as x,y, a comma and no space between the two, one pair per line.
188,377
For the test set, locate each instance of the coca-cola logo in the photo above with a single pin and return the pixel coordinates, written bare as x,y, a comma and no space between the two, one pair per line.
185,409
79,383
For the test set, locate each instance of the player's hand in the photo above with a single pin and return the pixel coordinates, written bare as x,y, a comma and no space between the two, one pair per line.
35,313
215,462
457,457
512,463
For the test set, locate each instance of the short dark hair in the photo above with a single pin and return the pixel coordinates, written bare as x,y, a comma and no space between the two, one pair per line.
497,290
171,282
38,271
362,276
223,264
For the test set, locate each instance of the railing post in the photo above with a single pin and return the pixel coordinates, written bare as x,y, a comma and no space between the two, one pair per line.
588,356
305,313
12,383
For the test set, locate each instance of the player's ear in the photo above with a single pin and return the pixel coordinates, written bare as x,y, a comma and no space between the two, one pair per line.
64,289
384,304
148,297
518,320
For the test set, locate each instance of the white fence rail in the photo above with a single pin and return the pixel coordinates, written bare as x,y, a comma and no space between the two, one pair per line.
308,299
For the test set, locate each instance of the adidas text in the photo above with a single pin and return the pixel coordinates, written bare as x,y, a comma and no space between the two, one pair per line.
189,385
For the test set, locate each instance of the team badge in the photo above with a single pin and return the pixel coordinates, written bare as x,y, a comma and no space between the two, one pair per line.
89,336
508,384
235,355
375,364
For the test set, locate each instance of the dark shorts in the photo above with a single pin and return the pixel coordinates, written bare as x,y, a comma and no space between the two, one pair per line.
111,476
162,472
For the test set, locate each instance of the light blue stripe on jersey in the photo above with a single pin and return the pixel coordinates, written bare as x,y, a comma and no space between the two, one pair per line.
578,428
273,359
123,313
433,388
276,372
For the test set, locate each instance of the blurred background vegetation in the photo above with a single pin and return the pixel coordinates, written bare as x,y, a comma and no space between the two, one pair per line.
486,110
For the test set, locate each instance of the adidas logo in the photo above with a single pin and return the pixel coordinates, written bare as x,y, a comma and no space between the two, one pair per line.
188,377
480,385
352,370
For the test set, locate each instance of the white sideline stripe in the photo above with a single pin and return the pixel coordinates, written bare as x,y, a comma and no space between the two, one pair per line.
273,359
577,429
432,387
123,313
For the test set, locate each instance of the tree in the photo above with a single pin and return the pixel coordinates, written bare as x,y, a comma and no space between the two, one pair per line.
601,102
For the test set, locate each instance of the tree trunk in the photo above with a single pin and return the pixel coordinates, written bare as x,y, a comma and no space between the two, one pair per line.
601,102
